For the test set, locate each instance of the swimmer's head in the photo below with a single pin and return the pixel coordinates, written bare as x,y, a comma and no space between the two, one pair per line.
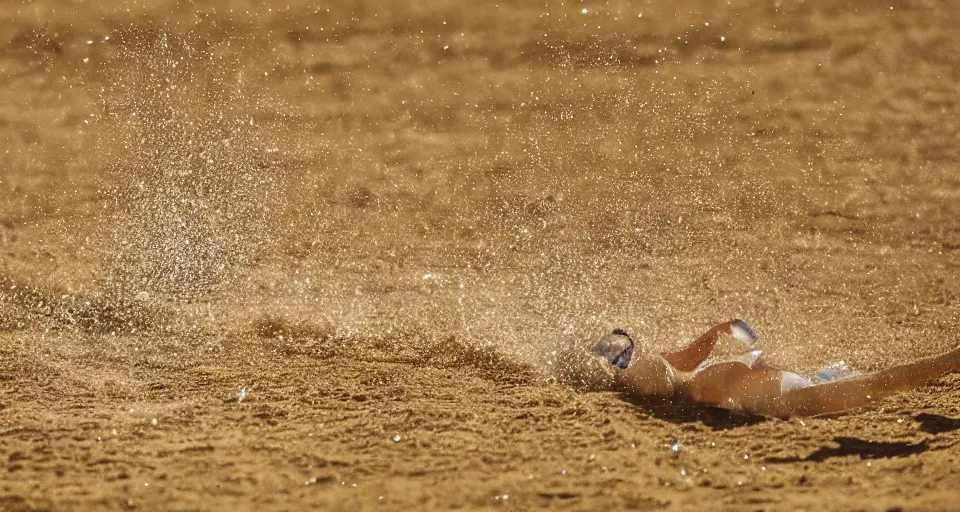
616,348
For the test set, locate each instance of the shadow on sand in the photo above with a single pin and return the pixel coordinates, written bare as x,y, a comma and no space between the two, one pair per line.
860,447
937,424
722,419
683,411
846,446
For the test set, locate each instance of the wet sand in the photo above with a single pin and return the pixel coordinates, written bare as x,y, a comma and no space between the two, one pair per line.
378,220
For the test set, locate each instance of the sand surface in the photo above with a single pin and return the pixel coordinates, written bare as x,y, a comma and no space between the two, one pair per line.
378,219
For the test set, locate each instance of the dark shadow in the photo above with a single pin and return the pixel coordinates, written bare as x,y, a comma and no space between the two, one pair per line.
936,424
684,411
859,447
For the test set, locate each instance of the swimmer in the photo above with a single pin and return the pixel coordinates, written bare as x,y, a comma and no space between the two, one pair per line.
743,383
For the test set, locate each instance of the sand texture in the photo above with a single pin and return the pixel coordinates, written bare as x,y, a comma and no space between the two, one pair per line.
318,255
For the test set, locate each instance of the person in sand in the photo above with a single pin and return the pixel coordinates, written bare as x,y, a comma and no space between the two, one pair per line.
743,383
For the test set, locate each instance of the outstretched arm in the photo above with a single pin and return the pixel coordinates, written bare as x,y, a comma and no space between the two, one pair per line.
760,389
858,391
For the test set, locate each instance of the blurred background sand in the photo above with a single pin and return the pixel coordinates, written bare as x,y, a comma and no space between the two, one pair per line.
380,218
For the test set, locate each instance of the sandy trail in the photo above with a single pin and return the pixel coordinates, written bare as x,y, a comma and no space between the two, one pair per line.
380,220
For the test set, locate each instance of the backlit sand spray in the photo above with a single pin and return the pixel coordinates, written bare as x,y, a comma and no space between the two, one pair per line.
198,222
193,188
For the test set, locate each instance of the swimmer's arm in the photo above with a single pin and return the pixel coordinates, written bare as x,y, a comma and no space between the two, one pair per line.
687,359
771,392
859,391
